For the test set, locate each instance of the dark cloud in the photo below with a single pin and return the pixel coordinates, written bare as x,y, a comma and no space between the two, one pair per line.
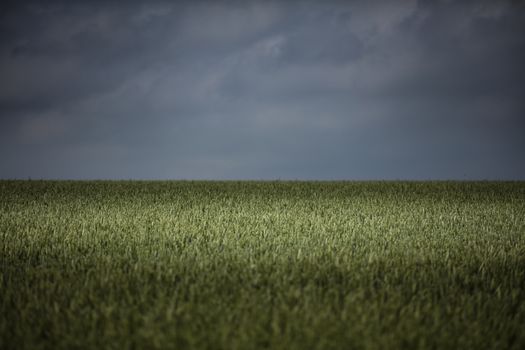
262,89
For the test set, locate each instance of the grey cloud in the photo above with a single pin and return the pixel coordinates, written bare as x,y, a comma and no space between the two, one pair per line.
322,39
262,89
466,51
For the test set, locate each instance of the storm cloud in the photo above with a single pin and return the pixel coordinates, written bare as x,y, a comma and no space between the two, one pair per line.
262,90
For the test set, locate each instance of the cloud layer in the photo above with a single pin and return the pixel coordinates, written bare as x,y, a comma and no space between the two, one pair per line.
263,90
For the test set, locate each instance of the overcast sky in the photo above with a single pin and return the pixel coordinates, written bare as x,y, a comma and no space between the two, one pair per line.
262,90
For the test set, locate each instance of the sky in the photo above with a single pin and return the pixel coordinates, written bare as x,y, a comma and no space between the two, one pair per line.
290,90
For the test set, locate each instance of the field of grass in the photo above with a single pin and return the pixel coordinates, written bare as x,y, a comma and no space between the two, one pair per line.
249,265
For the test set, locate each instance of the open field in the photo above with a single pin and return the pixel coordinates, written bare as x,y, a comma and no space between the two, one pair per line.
247,265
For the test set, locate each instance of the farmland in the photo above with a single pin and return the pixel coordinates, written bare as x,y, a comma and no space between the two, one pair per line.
262,264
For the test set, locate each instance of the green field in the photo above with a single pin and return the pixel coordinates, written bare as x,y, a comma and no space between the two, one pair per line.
253,265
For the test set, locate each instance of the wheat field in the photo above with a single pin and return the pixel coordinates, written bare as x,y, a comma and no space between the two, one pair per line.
262,265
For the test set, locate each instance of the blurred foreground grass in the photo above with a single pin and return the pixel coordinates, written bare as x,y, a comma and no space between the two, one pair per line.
247,265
